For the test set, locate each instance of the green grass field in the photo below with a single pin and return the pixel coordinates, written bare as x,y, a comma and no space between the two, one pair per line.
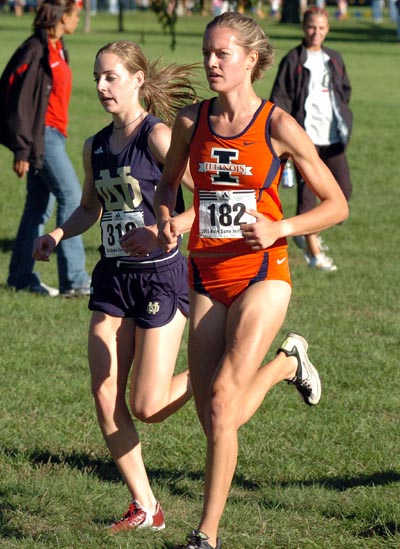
324,478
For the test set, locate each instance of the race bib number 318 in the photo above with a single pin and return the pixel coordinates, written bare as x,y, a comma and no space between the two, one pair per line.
114,225
222,212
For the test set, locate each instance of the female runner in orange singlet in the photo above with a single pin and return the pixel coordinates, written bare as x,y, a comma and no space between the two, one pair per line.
240,288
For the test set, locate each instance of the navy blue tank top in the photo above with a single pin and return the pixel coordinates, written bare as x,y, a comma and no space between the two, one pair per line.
125,184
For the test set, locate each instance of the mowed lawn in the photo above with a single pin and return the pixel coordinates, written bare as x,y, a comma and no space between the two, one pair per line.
323,478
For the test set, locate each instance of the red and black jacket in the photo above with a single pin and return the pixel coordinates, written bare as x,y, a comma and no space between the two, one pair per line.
25,87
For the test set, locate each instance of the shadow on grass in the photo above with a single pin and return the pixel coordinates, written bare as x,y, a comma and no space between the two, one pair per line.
380,478
385,530
105,469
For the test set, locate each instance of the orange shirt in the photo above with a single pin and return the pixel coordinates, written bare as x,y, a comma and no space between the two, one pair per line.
231,175
57,109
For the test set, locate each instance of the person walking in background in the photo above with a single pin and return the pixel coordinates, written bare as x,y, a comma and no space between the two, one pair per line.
313,86
139,293
35,91
377,10
392,4
239,277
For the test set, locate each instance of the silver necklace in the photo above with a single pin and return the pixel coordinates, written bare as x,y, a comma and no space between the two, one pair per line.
129,123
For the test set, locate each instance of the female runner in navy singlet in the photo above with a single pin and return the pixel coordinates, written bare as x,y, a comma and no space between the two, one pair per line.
139,294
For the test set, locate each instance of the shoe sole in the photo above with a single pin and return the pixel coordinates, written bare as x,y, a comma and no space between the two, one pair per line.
332,269
75,293
158,528
125,528
310,367
319,386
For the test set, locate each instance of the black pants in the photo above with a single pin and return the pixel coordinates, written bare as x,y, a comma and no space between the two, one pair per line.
334,157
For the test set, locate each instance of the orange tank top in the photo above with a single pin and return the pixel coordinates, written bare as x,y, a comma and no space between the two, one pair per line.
232,175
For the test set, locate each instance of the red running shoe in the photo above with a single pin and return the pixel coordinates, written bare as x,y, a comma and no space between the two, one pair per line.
139,517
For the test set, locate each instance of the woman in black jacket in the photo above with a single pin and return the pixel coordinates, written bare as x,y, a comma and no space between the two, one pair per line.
35,90
313,86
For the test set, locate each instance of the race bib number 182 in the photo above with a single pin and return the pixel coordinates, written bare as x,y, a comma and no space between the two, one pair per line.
222,212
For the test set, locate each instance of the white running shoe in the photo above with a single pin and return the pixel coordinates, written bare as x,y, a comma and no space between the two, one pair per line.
306,380
83,290
321,262
41,288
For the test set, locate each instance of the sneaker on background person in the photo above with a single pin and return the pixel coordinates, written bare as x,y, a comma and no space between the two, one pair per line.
315,255
321,262
40,288
80,291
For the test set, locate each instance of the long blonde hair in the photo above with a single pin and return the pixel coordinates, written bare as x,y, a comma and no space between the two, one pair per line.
166,89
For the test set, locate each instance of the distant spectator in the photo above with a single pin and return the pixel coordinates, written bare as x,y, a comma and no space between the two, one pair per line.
393,10
113,6
313,86
377,7
19,7
31,6
342,9
35,90
276,9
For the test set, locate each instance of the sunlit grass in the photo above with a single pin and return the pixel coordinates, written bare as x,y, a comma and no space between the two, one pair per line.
324,478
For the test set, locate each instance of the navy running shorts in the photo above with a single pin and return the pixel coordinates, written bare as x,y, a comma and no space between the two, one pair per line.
150,293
